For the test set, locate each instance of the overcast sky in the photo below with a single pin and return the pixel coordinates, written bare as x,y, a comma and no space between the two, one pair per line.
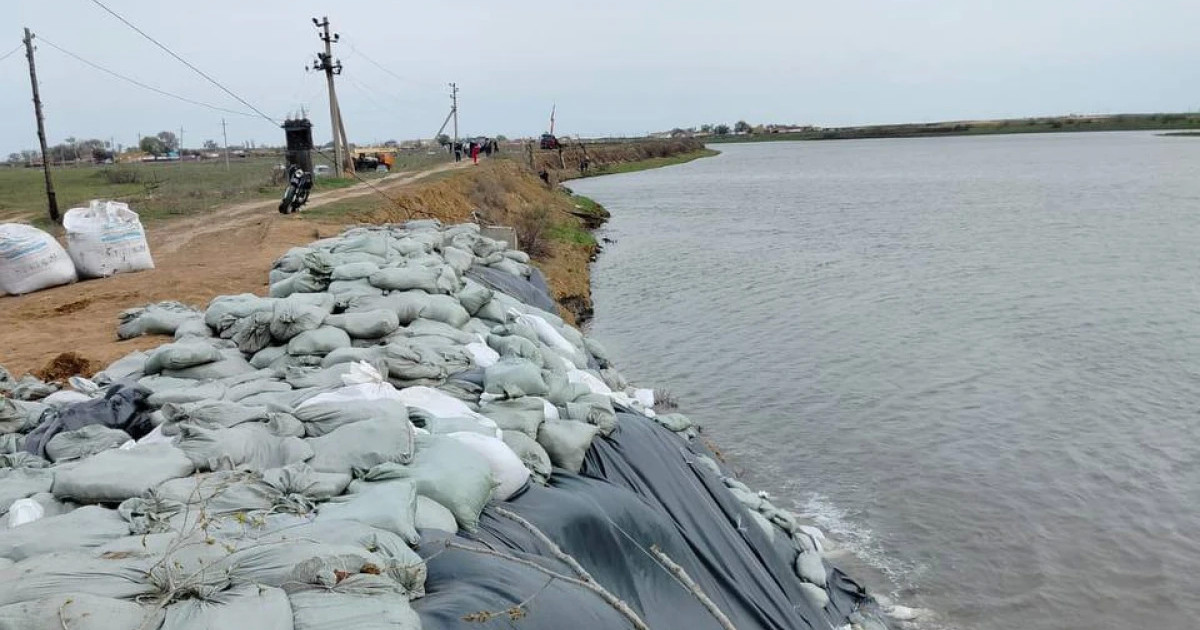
612,67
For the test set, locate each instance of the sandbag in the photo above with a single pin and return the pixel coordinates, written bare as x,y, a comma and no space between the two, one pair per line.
448,472
354,270
193,327
181,355
473,296
508,471
250,445
320,341
366,325
406,279
251,333
83,442
322,610
230,364
301,479
74,572
79,611
20,483
242,606
323,418
519,414
163,318
89,526
115,475
363,445
433,515
390,506
566,442
31,260
292,316
516,347
515,378
532,454
121,408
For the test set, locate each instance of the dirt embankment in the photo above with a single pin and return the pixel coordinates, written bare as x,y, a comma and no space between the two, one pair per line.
565,164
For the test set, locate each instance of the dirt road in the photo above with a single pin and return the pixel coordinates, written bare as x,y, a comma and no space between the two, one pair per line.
228,250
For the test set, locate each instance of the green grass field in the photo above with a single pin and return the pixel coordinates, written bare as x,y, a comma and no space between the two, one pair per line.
163,190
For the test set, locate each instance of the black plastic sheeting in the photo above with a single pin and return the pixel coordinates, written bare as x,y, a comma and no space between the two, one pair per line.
639,487
123,407
533,291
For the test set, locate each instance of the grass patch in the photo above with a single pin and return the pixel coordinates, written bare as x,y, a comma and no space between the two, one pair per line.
588,206
569,233
644,165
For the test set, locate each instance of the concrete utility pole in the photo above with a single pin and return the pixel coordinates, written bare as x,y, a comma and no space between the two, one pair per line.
225,136
179,149
325,63
454,109
41,125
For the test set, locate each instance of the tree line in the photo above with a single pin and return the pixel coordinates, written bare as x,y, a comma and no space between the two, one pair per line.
96,150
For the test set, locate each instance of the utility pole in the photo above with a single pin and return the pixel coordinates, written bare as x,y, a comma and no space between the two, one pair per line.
179,149
225,136
326,63
41,124
454,109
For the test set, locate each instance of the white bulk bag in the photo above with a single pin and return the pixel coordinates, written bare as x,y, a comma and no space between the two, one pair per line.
31,260
106,238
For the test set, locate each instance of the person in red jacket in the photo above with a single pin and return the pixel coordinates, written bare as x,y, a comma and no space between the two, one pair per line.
475,152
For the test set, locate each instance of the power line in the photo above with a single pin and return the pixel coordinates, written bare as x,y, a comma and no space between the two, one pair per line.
381,67
185,62
12,52
139,83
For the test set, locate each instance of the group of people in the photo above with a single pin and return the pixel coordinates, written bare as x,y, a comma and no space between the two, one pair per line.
473,148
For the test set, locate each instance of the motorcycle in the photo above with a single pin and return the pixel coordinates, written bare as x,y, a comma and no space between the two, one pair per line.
296,195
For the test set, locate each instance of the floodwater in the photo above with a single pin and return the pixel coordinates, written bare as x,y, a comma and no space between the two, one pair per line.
975,360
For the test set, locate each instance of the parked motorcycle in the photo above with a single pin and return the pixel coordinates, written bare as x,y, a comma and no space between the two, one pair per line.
296,195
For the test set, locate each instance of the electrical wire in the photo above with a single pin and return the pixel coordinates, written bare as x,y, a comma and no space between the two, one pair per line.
12,52
185,62
139,83
360,53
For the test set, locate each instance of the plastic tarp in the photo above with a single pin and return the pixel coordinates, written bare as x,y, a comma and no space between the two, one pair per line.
533,291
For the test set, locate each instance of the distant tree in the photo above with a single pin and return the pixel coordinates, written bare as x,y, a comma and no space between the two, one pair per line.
706,128
153,145
28,155
742,126
91,148
169,140
15,158
501,138
210,145
721,130
443,139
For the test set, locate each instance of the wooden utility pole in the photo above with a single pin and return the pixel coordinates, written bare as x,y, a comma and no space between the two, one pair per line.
325,63
41,124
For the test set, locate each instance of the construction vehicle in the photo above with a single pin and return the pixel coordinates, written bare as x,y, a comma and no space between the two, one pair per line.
549,141
371,158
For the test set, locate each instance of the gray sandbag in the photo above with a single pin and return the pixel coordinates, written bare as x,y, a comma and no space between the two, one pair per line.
17,415
230,365
427,358
516,347
448,472
365,243
517,255
473,296
396,559
532,454
191,392
272,560
304,281
433,515
518,414
676,422
121,408
811,568
594,409
225,309
11,443
514,378
302,480
301,377
390,506
566,442
363,445
74,572
366,325
220,493
345,290
242,391
265,357
181,355
21,483
23,460
423,327
115,475
562,391
251,333
127,367
79,611
292,317
321,610
407,279
324,418
89,526
459,259
446,426
246,445
83,442
320,341
597,350
210,413
352,355
284,425
354,270
242,606
511,266
193,328
410,306
162,318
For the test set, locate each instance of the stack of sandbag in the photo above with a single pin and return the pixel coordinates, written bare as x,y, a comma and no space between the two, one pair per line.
31,260
106,238
275,464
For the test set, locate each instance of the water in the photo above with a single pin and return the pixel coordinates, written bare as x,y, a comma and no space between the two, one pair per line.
977,360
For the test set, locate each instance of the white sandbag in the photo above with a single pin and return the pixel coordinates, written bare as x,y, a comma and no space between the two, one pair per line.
106,238
31,260
115,475
435,403
589,380
551,337
507,469
24,511
811,568
482,355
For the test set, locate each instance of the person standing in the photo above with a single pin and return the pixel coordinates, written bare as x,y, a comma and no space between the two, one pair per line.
475,152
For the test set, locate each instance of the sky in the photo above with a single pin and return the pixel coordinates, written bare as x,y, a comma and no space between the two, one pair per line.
619,67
